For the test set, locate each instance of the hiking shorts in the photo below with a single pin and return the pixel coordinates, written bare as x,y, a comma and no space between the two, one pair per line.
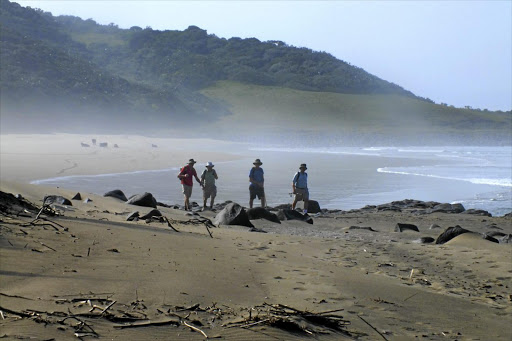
256,191
187,191
301,194
209,192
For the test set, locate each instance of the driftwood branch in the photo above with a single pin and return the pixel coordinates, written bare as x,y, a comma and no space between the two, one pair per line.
195,328
372,327
147,324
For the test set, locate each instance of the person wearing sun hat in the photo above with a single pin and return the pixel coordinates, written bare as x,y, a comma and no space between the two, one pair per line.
185,175
208,178
300,187
257,180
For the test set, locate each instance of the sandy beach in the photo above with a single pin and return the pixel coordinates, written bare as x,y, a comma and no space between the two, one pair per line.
89,273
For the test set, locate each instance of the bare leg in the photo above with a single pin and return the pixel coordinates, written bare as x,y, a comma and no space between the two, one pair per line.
294,202
306,202
250,202
263,202
211,203
187,204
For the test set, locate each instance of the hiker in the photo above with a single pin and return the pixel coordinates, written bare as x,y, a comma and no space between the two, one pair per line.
185,175
256,188
208,178
300,187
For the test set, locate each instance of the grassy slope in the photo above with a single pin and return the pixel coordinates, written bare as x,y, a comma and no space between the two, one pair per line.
281,110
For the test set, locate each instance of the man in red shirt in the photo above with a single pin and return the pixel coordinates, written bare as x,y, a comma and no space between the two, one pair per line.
185,175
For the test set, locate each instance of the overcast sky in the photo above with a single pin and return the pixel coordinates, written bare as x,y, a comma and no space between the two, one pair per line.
454,52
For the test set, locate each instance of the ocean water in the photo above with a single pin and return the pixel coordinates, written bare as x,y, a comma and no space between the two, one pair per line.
339,178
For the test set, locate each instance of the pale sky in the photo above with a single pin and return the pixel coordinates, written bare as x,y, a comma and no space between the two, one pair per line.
454,52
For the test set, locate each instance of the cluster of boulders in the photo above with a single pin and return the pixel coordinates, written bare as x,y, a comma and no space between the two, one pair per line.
419,207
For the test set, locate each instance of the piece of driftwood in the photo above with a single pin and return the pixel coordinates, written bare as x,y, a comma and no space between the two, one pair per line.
195,221
195,328
147,324
372,327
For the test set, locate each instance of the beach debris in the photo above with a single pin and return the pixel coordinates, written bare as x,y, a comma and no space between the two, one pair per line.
286,214
262,213
113,250
56,199
362,319
293,320
403,227
450,233
145,199
116,193
233,214
77,196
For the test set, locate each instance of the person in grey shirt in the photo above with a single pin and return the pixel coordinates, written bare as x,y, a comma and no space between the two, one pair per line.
300,187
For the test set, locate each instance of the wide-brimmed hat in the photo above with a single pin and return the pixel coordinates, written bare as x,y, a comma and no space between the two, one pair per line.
303,165
191,161
209,164
257,162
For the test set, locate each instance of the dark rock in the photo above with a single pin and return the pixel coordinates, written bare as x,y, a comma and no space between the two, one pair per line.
402,227
450,233
133,216
104,144
255,229
434,226
361,228
448,208
489,238
11,204
115,145
425,240
77,197
477,212
495,234
152,213
506,239
117,193
233,214
313,206
56,199
87,200
262,213
508,215
164,205
146,200
294,215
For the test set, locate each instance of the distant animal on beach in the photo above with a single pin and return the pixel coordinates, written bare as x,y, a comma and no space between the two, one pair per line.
84,144
154,145
103,144
262,213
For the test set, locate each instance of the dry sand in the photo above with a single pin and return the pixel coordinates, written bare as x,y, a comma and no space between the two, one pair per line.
384,283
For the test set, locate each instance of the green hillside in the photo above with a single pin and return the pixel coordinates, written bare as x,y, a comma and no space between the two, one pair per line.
73,75
278,113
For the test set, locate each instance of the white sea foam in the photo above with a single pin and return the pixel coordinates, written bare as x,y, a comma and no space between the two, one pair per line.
479,181
105,175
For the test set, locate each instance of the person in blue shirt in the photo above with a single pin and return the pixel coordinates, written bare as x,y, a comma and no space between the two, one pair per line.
256,188
300,187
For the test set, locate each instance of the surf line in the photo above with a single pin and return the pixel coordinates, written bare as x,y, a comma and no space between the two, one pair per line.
482,181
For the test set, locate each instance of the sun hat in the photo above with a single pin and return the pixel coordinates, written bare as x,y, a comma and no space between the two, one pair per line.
191,161
257,162
209,164
303,165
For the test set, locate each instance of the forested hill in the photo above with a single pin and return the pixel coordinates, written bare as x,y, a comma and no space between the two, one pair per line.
57,71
